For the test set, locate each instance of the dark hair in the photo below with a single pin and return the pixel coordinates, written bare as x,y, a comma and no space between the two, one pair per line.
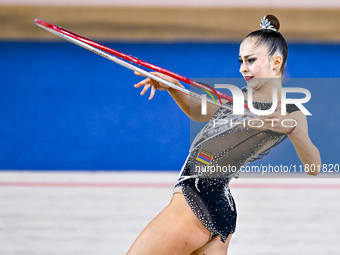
273,39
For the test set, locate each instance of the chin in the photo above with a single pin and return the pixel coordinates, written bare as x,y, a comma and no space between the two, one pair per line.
256,83
252,84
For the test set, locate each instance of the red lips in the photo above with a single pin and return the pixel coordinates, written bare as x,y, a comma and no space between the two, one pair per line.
248,78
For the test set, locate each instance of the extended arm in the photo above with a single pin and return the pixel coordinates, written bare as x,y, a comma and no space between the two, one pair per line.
190,106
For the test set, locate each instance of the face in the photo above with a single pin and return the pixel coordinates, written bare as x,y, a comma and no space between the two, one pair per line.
256,66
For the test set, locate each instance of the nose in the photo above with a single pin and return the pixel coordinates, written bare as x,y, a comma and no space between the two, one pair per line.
244,68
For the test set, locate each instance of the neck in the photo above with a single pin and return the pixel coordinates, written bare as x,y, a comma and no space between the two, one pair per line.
265,93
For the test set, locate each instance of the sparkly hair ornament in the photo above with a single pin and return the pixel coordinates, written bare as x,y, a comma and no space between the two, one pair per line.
265,24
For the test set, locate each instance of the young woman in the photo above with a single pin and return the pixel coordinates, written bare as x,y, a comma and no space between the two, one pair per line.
201,216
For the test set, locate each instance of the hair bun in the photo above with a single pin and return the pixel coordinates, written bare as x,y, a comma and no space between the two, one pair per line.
270,22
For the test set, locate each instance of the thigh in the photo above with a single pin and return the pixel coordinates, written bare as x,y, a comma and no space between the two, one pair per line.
214,247
176,231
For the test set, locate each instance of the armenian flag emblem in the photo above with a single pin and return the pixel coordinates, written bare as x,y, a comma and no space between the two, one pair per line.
204,157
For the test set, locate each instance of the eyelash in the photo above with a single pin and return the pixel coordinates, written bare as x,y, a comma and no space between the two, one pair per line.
250,60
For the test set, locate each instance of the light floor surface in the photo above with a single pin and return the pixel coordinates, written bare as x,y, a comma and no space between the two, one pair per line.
103,212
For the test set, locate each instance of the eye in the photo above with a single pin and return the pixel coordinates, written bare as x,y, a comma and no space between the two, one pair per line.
240,61
251,60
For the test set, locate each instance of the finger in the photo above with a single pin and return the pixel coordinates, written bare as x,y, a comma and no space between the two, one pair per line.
146,87
153,91
154,82
163,76
137,73
154,73
157,74
142,83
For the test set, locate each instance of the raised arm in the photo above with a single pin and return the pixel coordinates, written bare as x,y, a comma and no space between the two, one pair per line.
190,106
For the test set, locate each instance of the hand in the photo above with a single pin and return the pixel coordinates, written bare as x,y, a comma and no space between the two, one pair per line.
274,121
148,82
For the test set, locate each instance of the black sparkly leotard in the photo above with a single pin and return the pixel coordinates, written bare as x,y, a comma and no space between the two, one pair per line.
216,155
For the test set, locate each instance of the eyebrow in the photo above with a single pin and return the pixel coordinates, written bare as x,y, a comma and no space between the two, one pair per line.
246,56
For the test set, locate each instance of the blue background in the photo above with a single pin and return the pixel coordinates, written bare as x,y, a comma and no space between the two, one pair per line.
64,108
